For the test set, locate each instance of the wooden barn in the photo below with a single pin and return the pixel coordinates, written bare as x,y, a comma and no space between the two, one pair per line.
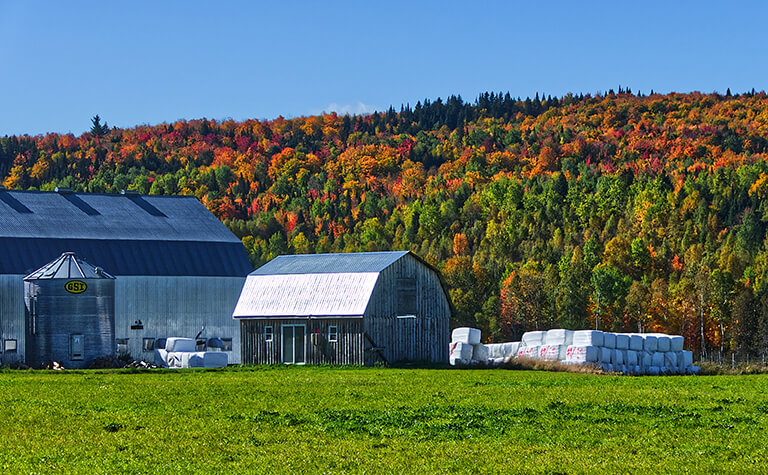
352,308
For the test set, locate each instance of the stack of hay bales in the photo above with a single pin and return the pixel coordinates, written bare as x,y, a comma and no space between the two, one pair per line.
628,353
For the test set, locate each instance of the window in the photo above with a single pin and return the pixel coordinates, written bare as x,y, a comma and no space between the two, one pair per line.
160,343
76,347
227,344
406,296
200,344
268,333
122,345
10,346
148,344
333,334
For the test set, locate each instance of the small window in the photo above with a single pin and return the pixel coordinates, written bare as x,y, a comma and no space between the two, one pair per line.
160,343
76,347
122,345
227,344
333,334
200,344
406,296
10,346
268,333
148,344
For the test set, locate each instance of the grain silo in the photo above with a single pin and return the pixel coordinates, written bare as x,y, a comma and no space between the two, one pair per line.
70,308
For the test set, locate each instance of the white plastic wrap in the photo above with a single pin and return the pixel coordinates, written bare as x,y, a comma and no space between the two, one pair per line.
480,353
630,358
650,343
582,354
587,338
686,360
533,338
617,358
676,343
605,355
176,344
657,359
646,359
470,336
662,342
635,342
609,340
622,341
559,336
653,370
460,351
511,349
552,352
670,360
607,367
531,352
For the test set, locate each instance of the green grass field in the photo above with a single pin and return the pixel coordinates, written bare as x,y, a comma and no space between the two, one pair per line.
303,419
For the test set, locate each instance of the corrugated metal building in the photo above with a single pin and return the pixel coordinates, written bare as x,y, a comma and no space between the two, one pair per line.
178,268
354,308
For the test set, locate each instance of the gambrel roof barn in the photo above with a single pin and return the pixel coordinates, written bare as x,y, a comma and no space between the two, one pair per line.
351,308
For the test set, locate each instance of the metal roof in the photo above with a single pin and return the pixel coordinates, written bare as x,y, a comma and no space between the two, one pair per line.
351,262
289,295
128,234
68,266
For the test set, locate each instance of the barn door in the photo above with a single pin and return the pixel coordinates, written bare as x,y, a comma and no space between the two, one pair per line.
408,336
294,344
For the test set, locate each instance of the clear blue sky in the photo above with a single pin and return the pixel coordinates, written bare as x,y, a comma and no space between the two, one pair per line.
148,62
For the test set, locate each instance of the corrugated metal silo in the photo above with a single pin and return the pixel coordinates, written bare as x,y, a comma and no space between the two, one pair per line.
70,313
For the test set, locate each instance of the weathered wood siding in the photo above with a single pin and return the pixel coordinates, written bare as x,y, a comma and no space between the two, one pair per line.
424,338
318,350
12,317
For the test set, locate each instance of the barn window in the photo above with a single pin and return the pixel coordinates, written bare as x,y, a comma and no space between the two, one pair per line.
148,344
10,346
406,296
76,347
227,344
122,345
268,333
333,334
160,343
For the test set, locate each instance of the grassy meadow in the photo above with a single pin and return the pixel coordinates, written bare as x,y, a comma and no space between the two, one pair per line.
378,420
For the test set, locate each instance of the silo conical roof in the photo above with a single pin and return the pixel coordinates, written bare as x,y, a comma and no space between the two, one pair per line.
68,266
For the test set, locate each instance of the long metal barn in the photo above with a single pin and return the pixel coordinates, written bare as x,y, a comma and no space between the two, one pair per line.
352,308
178,270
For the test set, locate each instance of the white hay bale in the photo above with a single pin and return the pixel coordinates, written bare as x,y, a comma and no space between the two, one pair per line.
662,342
470,336
177,344
685,360
531,352
559,336
533,338
587,338
622,341
693,370
630,358
650,343
582,354
657,359
480,353
646,359
653,370
510,349
635,342
609,340
495,350
552,352
605,355
670,360
676,343
617,358
607,367
460,352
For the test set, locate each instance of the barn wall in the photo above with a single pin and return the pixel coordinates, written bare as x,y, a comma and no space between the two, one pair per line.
424,338
347,350
12,317
176,306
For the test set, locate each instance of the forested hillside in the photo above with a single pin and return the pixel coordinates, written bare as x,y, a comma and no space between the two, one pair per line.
619,211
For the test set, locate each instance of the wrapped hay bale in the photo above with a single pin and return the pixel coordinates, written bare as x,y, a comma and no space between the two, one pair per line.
559,336
635,342
552,352
662,342
533,338
676,343
480,353
470,336
531,352
657,359
495,350
685,361
497,361
609,340
693,370
607,367
605,355
650,343
670,361
630,358
587,338
582,354
510,350
617,358
653,370
646,359
460,353
622,341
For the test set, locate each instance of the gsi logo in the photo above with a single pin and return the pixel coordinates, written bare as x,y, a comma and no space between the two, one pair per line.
75,287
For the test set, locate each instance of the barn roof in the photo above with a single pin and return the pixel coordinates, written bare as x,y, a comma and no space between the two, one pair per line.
129,234
315,284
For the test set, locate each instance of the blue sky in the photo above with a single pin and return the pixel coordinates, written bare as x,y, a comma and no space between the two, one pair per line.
143,62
